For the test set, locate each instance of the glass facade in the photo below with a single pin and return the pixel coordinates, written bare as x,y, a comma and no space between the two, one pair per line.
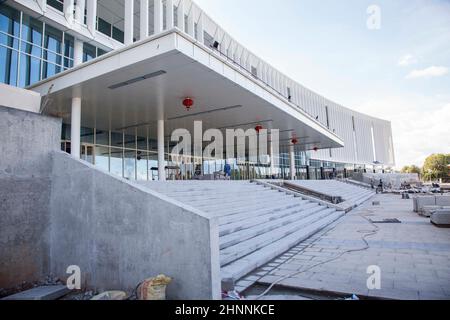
134,157
32,50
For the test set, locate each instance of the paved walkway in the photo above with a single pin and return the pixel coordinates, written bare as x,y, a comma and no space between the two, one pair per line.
414,256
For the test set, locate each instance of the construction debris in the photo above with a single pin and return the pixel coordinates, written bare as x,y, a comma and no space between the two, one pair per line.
153,288
111,295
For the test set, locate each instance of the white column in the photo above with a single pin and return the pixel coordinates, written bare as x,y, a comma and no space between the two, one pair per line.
144,19
75,127
292,161
91,20
158,16
169,14
78,53
271,155
129,22
68,10
161,160
43,5
190,20
200,29
79,11
180,13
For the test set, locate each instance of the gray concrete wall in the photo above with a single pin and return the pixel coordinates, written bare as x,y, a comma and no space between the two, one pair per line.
395,179
19,98
26,142
119,234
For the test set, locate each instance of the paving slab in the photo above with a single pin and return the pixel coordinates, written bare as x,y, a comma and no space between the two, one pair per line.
413,256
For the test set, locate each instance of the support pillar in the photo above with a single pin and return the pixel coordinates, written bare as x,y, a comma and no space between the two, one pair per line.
43,5
200,29
169,14
75,132
180,13
292,161
158,16
68,10
272,162
91,18
144,19
161,160
129,22
78,53
79,11
190,22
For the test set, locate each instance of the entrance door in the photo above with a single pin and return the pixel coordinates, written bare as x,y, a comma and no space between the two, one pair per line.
88,153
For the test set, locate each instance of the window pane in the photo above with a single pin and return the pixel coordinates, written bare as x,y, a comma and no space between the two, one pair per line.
68,46
104,27
87,135
66,131
50,69
102,158
32,31
117,139
102,137
53,39
130,141
100,52
141,143
153,166
30,70
9,24
57,4
141,164
8,70
116,162
88,52
130,165
118,35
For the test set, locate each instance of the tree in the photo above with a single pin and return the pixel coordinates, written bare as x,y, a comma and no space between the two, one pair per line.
411,169
436,167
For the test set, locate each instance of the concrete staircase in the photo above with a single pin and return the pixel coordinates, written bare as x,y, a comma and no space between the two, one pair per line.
256,224
351,194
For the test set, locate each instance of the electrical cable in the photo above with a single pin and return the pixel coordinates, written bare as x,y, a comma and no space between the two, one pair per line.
366,233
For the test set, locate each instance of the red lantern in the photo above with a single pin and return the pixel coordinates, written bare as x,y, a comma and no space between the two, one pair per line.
294,141
258,128
188,103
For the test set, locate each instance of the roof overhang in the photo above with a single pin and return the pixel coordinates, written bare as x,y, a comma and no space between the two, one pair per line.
134,86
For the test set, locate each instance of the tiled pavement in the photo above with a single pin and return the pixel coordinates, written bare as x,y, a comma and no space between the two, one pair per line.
414,256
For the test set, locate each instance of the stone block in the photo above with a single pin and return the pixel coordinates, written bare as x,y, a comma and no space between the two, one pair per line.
40,293
441,218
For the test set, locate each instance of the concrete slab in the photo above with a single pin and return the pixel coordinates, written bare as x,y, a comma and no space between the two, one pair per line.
40,293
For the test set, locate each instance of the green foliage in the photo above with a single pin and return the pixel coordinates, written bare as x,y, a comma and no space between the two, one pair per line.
411,169
436,167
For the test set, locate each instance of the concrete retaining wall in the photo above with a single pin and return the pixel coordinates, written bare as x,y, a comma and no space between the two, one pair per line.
19,98
26,143
395,179
119,234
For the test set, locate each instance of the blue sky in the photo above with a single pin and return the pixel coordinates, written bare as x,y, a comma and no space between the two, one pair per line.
400,72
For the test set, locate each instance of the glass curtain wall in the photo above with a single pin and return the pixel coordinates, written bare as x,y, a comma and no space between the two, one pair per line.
31,50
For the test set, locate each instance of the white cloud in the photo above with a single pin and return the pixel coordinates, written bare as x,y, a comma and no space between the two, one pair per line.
428,73
420,125
407,60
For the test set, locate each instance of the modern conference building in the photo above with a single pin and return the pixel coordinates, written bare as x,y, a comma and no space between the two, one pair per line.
117,73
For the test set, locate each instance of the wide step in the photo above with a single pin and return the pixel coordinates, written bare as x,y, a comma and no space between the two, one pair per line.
239,268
